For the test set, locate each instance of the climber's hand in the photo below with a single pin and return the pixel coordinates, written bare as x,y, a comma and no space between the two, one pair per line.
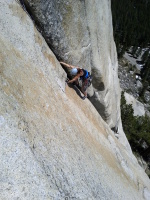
67,80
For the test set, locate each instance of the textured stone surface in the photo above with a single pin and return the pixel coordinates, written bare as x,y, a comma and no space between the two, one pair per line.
80,33
128,81
52,144
137,106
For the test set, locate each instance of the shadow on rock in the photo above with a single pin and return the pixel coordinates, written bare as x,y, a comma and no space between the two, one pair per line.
76,88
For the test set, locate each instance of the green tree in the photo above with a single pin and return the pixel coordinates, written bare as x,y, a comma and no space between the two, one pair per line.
131,22
137,129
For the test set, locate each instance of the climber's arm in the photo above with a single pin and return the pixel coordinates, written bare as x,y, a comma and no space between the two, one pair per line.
69,66
75,78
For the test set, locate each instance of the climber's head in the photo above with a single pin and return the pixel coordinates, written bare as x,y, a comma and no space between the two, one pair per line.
74,71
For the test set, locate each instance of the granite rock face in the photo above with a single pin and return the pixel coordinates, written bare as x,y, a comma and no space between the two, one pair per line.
52,145
137,106
81,33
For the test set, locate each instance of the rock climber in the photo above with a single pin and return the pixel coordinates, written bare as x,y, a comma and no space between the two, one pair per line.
79,73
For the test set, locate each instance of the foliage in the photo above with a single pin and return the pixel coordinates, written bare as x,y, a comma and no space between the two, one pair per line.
131,23
137,129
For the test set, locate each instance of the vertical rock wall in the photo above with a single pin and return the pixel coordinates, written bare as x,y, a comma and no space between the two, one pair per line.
53,145
81,33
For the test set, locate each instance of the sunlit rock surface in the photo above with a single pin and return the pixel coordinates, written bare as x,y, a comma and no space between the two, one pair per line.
81,33
52,143
137,106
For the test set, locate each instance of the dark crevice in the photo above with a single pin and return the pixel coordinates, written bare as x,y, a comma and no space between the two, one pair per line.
40,28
